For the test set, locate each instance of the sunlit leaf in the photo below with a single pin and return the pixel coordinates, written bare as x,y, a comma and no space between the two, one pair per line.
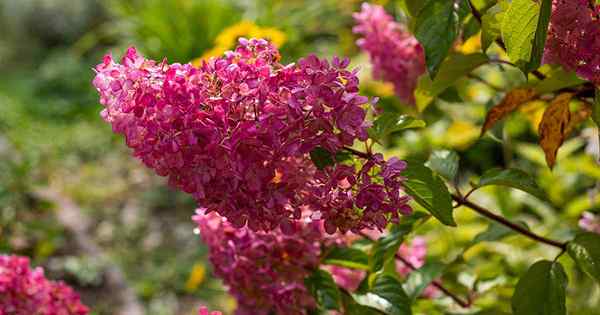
347,257
419,279
524,30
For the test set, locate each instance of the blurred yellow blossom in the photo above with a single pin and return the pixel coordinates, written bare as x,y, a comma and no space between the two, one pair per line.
461,134
227,39
471,45
196,277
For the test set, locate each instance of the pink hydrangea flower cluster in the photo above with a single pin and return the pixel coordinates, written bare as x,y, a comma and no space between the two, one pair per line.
590,222
236,133
264,271
396,55
414,252
204,311
25,291
574,37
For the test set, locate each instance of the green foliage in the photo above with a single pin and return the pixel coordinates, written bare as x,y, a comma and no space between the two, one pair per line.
347,257
524,29
390,122
419,279
320,284
445,163
453,68
491,23
437,25
541,290
585,250
386,295
512,177
429,191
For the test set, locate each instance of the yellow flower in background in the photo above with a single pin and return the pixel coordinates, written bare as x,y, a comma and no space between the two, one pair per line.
196,277
533,111
461,134
227,39
471,45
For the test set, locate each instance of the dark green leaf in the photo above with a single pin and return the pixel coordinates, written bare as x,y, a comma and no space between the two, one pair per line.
585,250
541,291
347,257
445,163
321,157
524,29
511,177
387,296
437,26
453,68
419,279
385,248
322,287
491,23
390,122
429,191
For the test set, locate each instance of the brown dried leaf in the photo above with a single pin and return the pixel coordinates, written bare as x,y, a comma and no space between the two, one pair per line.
582,114
510,103
554,125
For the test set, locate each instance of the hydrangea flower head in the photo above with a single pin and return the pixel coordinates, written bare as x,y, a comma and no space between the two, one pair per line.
26,291
204,311
395,54
265,272
574,38
237,131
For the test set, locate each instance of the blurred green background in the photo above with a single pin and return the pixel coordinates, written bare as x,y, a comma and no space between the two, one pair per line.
73,199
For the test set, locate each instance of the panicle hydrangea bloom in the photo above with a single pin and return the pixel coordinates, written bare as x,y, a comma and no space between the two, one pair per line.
237,131
204,311
25,291
590,222
395,54
340,189
264,271
574,38
414,252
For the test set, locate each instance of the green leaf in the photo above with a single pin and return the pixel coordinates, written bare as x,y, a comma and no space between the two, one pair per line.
321,157
385,248
453,68
445,163
437,26
491,23
429,191
585,250
322,287
495,232
347,257
387,296
557,79
353,308
524,29
419,279
541,291
389,122
511,177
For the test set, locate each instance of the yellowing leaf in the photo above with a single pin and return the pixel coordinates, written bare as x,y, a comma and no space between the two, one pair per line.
583,112
554,125
471,45
510,103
